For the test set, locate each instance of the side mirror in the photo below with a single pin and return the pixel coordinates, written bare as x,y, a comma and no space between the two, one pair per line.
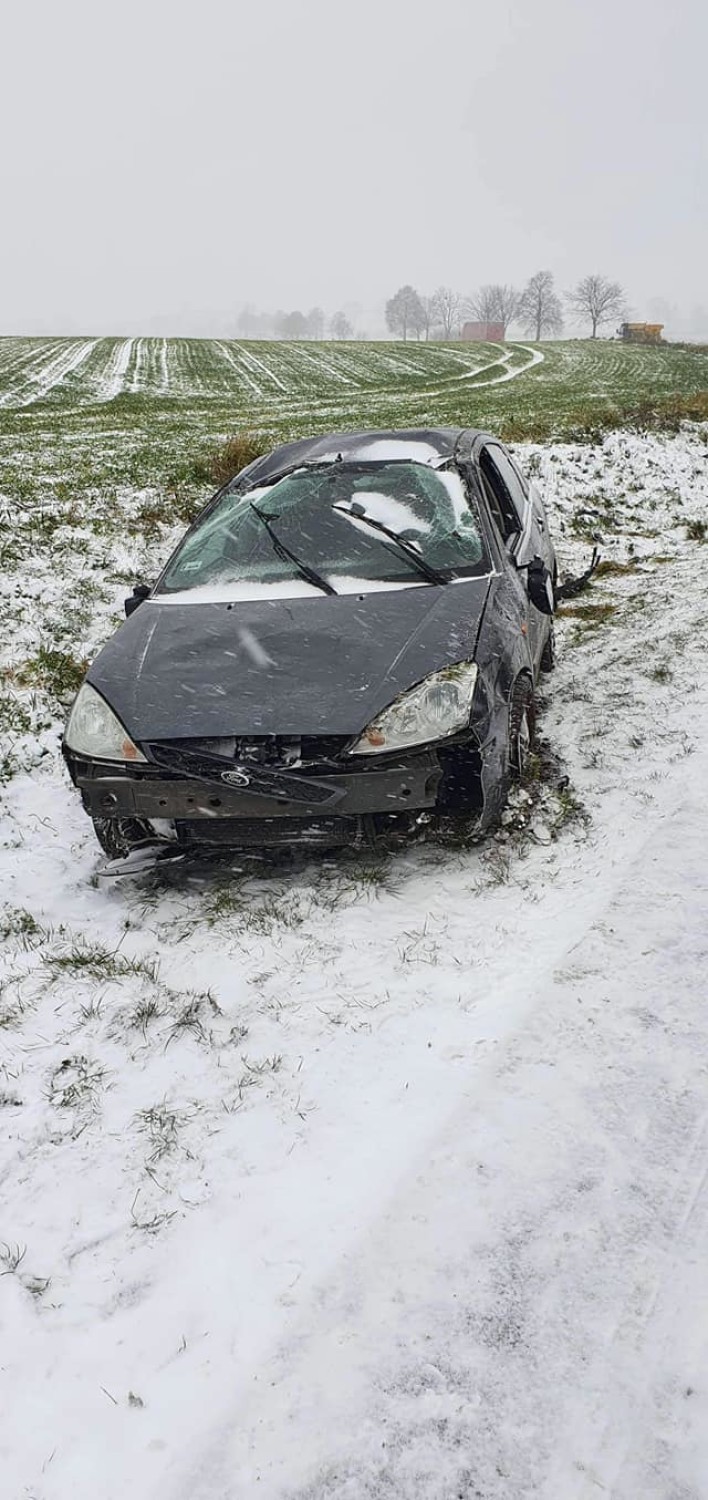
140,592
540,586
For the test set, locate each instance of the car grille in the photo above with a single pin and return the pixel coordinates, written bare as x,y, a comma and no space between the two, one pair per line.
204,757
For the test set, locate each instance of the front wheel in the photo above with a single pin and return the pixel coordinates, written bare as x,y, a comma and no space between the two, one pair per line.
522,725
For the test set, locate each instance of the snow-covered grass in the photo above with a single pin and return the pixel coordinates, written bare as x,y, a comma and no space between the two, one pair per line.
380,1176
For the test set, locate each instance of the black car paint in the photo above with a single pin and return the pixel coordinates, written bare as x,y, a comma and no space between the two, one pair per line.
175,672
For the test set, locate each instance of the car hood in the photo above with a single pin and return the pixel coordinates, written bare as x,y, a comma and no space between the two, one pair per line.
306,665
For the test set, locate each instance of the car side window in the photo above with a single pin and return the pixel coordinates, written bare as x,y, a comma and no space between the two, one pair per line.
503,490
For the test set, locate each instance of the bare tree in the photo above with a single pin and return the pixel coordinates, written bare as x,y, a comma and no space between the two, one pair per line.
340,327
428,309
540,308
405,313
420,317
598,299
446,307
315,322
495,303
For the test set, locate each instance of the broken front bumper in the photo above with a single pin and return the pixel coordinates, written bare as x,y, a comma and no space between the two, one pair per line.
247,803
126,796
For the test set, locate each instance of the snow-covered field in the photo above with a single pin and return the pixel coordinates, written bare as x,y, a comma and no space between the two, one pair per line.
291,388
380,1177
95,370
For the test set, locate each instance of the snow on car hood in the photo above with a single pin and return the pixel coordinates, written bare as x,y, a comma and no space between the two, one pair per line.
310,665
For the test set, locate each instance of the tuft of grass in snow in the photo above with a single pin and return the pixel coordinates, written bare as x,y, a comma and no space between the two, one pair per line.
59,672
259,912
255,1072
75,1083
496,860
146,1009
236,453
19,923
98,962
15,713
375,876
188,1019
419,947
11,1258
610,568
161,1125
590,614
189,1012
92,1009
696,530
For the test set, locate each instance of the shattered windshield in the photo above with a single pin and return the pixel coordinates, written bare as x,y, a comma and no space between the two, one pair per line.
334,520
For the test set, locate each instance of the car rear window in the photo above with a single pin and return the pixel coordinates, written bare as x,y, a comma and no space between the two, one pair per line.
324,516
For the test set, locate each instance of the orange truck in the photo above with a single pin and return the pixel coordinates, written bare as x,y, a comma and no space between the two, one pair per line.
641,333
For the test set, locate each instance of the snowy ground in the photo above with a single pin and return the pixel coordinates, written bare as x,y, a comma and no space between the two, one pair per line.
387,1177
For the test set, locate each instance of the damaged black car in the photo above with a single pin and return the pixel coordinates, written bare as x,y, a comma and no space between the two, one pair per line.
346,642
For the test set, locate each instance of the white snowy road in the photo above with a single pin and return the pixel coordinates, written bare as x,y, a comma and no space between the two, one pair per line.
411,1203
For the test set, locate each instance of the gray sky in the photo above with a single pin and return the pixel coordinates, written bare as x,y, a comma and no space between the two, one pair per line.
164,163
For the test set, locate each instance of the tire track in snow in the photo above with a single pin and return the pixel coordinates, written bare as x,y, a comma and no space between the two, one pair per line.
398,398
258,364
112,382
164,385
324,365
535,358
238,365
32,359
137,379
56,371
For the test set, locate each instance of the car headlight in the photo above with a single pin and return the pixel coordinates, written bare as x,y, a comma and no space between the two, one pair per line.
94,730
437,707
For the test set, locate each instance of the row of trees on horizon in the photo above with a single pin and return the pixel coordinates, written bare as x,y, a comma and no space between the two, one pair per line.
537,308
295,325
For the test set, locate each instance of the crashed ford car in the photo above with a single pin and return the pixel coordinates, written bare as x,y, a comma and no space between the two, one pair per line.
345,642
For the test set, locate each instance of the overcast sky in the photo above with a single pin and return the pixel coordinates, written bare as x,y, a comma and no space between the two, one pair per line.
164,163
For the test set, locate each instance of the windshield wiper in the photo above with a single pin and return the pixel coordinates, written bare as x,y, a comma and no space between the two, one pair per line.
286,555
426,569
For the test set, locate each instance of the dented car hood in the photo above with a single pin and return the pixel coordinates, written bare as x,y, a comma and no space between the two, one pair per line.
305,665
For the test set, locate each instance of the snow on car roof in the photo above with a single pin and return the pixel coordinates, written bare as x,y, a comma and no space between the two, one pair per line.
417,445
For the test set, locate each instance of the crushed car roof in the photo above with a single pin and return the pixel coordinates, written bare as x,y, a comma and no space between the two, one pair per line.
417,444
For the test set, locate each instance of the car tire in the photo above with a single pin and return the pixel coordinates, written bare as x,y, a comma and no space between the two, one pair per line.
117,836
548,655
522,725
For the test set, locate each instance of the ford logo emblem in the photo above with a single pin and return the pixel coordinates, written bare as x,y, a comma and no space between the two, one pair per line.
236,778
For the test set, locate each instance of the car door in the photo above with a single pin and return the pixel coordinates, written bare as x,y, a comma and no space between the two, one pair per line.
521,525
